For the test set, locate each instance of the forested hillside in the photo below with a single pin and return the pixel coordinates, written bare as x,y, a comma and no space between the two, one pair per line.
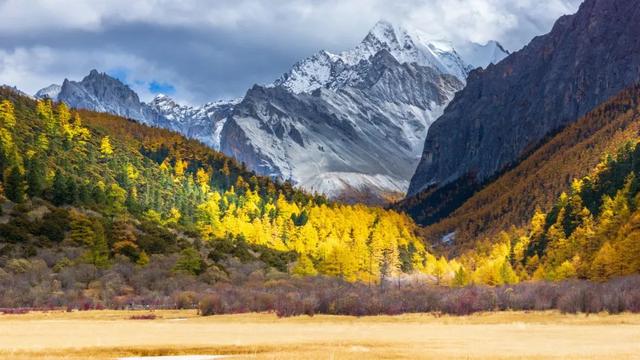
511,198
100,210
85,192
568,210
592,231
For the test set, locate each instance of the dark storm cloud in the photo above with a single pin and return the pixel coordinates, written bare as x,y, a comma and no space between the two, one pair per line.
209,50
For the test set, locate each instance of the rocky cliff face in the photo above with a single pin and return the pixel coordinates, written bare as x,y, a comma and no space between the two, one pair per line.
353,122
100,92
203,123
50,92
364,135
510,107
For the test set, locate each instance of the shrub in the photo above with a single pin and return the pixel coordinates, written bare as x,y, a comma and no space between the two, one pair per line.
186,300
143,317
211,304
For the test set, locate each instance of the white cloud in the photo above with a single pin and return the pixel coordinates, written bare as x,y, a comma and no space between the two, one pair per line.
33,68
226,45
331,20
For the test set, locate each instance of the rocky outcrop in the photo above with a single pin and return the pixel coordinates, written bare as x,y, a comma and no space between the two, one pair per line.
203,123
100,92
509,108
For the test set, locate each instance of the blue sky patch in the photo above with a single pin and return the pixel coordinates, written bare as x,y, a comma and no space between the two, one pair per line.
119,73
157,87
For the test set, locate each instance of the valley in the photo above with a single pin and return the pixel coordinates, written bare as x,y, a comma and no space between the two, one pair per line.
420,192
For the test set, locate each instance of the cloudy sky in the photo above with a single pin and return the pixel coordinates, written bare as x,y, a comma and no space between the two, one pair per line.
199,50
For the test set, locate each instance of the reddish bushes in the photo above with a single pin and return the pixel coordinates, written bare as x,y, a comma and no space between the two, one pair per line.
330,296
14,311
252,288
143,317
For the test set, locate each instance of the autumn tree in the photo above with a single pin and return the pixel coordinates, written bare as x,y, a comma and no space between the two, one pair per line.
106,150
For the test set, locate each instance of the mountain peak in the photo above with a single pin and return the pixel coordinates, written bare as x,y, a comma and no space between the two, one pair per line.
49,92
101,92
161,97
481,56
324,68
385,32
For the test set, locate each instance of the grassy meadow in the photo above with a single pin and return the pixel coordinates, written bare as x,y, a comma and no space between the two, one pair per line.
509,335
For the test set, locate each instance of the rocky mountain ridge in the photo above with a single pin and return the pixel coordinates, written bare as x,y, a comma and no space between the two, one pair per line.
508,109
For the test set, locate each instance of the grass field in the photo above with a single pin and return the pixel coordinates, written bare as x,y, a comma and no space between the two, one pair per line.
112,334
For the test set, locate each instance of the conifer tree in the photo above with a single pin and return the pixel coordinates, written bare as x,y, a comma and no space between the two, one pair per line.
81,229
106,150
14,186
59,189
7,114
605,264
45,113
189,261
36,181
124,240
304,267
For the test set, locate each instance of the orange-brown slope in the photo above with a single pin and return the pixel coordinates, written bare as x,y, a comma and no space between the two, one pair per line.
537,181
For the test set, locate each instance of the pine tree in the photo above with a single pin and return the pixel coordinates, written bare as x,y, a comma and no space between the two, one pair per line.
45,113
461,278
98,248
605,264
59,189
36,181
7,115
81,229
14,185
124,240
116,198
64,115
189,262
72,191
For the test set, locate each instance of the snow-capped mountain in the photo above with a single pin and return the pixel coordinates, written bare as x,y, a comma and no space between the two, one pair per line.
202,123
360,140
325,69
353,122
350,125
101,92
51,92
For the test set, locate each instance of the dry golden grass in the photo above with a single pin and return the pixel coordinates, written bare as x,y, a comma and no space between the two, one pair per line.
509,335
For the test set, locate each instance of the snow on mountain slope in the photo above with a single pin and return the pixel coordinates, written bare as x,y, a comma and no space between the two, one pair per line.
361,135
202,123
482,55
52,91
352,122
101,92
325,69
